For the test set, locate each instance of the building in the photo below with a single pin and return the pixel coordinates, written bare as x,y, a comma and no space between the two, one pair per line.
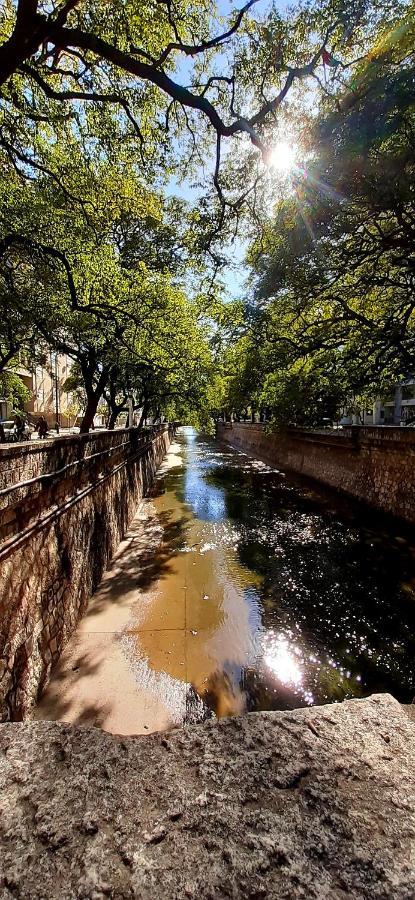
45,383
396,409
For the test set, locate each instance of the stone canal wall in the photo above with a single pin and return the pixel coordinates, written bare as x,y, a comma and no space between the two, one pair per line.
376,465
64,507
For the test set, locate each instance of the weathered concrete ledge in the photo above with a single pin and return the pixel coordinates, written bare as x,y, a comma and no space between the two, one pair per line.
315,803
374,464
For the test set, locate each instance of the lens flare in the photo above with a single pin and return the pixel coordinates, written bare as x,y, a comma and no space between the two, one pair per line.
283,156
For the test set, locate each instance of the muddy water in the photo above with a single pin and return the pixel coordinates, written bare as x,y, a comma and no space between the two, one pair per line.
270,593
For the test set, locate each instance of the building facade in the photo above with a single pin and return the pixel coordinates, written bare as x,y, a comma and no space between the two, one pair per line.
396,409
46,384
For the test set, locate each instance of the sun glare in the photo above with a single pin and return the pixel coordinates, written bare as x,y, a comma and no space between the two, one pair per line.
283,156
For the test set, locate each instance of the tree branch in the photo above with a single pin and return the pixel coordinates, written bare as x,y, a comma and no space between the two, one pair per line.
194,49
39,29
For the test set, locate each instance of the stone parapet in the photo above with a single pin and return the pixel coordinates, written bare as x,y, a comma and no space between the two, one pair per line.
64,507
312,803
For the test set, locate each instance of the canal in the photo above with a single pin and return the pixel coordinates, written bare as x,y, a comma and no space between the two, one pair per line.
262,591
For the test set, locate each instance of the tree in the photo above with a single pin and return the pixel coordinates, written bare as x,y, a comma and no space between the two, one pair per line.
98,286
13,389
94,117
168,69
335,270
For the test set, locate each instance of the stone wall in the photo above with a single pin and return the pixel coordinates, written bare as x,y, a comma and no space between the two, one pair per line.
375,464
64,507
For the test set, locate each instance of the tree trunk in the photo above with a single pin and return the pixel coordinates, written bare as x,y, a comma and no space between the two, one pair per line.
113,418
89,414
144,413
93,397
115,410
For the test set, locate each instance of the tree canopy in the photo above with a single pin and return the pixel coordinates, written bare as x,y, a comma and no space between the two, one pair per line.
97,278
104,106
331,319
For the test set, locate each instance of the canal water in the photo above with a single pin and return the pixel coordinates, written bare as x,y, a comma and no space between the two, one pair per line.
292,595
239,587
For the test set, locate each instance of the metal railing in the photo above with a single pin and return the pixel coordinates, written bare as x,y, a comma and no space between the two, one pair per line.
144,440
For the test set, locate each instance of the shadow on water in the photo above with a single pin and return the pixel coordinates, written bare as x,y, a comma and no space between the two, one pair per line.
329,585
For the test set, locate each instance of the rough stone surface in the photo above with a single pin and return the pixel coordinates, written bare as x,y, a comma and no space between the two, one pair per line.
315,803
57,536
375,464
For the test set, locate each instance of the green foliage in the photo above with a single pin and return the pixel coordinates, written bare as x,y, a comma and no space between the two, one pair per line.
97,277
102,103
161,86
333,272
13,389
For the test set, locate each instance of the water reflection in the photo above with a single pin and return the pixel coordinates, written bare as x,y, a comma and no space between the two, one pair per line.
279,594
281,659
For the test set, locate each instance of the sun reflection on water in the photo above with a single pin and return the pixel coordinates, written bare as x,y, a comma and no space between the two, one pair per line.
284,660
324,592
281,660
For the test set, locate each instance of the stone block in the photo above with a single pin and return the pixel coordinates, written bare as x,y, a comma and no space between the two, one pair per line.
311,804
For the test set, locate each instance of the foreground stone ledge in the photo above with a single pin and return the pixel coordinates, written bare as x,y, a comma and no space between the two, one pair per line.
312,803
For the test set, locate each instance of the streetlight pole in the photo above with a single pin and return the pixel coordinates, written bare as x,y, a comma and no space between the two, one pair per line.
57,393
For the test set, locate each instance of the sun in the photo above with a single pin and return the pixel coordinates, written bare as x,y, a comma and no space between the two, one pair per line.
283,156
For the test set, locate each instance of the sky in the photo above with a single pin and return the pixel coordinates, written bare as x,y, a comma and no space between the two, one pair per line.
234,277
